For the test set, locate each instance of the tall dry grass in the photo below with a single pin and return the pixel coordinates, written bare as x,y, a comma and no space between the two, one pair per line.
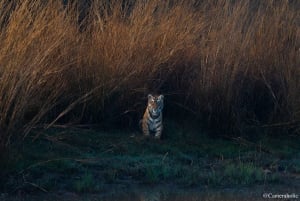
38,55
137,50
233,63
230,63
249,64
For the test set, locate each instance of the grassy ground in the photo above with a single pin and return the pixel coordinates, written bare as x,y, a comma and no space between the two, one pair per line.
90,161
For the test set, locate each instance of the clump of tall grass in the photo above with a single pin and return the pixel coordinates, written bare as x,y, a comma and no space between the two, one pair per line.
137,49
38,56
249,64
230,63
233,63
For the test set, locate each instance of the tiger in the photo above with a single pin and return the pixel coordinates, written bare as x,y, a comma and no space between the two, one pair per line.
152,119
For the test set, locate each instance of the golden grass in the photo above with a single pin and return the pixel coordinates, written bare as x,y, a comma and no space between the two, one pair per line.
37,55
229,62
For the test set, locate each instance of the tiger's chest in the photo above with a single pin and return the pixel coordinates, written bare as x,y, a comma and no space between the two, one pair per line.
154,124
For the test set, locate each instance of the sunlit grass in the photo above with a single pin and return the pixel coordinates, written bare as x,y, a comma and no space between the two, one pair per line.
230,64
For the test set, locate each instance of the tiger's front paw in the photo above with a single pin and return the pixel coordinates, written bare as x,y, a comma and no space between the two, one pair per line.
157,137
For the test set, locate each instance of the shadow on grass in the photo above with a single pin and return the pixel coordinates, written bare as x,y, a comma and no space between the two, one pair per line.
97,162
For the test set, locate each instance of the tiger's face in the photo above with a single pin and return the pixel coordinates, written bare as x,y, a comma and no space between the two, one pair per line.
155,104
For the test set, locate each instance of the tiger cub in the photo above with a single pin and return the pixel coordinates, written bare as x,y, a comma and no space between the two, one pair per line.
152,119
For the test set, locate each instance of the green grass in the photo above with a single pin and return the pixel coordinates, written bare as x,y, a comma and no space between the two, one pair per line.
87,161
86,183
243,174
295,165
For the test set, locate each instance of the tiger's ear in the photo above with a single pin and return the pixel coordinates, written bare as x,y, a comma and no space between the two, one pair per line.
161,97
150,96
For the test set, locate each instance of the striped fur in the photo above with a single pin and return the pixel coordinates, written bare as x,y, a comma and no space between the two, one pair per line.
152,119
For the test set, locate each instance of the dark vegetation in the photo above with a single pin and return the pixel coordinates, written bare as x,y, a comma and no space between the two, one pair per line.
92,162
231,66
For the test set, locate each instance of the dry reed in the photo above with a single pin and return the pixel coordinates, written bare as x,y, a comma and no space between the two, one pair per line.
232,63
